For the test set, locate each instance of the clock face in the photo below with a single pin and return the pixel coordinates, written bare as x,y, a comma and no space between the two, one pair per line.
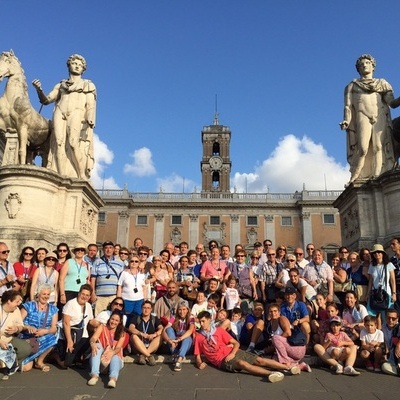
216,162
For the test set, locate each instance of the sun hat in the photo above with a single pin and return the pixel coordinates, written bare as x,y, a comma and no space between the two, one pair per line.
378,247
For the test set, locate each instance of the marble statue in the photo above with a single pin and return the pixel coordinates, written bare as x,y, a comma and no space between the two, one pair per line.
71,147
18,116
368,123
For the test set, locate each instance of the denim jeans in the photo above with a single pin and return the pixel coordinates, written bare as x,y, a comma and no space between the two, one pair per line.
183,347
115,365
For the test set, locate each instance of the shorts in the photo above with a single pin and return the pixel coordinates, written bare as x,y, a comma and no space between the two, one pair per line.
241,355
331,348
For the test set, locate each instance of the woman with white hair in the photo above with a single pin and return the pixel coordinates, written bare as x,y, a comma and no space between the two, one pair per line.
40,328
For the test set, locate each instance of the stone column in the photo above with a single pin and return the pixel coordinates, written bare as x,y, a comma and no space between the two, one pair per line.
306,228
193,230
123,228
235,230
270,228
158,239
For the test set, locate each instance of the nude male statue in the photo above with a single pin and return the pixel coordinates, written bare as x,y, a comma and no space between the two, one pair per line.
73,118
368,123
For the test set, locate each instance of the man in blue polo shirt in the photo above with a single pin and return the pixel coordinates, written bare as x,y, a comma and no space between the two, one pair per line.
296,311
104,277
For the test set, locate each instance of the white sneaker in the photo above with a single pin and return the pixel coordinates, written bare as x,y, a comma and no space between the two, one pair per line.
350,371
112,383
339,369
275,377
93,380
389,368
295,370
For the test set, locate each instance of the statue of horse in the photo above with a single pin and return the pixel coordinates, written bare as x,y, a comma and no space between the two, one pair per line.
18,115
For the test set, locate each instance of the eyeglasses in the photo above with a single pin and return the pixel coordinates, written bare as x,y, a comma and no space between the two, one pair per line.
51,259
5,251
310,248
254,257
118,304
123,253
141,253
134,261
80,249
28,254
291,260
391,318
62,250
270,255
298,254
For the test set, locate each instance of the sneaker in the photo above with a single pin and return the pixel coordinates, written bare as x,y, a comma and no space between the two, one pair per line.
13,370
275,377
142,360
93,380
369,366
377,367
178,366
389,368
250,349
339,369
350,371
112,383
305,367
258,353
295,370
151,361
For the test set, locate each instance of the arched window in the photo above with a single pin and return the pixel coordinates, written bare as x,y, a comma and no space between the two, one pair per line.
215,150
215,180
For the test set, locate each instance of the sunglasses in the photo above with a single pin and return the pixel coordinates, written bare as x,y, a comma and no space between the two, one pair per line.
391,318
143,254
118,304
270,255
5,251
62,251
134,261
123,253
28,254
291,260
253,257
298,254
51,259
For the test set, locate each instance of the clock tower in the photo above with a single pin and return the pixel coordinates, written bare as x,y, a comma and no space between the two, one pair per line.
216,163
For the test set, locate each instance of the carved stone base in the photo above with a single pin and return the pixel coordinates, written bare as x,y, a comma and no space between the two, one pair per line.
369,211
38,207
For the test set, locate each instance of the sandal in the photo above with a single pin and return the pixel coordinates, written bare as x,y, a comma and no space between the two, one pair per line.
43,367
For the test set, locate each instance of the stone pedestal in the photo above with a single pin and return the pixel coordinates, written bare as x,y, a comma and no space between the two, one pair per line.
38,207
369,211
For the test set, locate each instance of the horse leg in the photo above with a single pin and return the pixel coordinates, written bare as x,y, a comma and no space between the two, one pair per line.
23,142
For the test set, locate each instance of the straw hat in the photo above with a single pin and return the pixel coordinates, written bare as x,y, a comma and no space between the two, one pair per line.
378,247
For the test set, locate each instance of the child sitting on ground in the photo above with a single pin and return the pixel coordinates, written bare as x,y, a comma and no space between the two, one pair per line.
236,323
372,344
201,305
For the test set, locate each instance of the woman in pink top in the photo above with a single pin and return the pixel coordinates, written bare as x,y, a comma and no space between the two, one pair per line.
214,268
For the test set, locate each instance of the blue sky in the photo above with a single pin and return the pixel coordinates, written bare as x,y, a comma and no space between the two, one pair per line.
279,70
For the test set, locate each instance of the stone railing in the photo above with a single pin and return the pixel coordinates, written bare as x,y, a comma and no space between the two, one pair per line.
305,195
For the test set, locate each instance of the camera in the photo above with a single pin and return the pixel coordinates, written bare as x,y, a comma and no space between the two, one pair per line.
78,281
108,276
135,290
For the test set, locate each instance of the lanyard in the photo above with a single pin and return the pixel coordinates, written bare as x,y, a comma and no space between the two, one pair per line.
45,274
78,267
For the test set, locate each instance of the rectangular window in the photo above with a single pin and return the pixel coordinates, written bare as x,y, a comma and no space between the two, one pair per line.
176,220
102,216
287,221
252,220
215,220
142,219
329,218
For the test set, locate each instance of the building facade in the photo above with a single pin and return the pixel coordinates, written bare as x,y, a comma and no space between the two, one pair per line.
215,213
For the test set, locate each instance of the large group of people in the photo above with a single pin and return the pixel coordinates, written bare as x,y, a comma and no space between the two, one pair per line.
259,311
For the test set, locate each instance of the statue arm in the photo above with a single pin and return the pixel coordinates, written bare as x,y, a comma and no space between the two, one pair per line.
347,107
91,105
51,97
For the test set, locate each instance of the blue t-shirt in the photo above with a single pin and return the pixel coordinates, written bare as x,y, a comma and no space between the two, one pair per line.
299,310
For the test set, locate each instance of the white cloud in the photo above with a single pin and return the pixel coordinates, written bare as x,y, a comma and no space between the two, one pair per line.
294,162
177,184
142,164
103,156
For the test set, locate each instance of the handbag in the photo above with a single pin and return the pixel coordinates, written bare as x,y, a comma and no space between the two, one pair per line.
33,341
189,294
343,287
379,300
297,338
